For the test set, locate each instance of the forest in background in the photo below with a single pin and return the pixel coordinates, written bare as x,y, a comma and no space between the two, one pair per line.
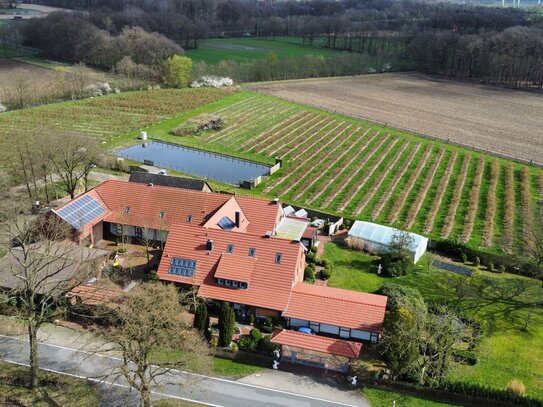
489,44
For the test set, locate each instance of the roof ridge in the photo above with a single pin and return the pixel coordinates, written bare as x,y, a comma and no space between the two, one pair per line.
341,299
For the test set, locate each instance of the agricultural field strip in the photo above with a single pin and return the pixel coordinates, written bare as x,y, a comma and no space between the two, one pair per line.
440,193
473,204
526,209
400,201
255,121
296,136
297,166
314,121
509,216
351,173
490,212
270,135
420,196
365,175
393,184
455,201
237,105
240,139
329,161
298,172
333,175
379,180
247,115
301,149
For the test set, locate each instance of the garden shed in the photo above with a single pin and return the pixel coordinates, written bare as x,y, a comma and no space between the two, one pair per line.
376,238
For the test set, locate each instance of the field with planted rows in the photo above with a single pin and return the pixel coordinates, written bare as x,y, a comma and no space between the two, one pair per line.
106,117
348,166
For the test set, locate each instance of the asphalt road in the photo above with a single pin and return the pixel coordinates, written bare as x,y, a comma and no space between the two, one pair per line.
179,385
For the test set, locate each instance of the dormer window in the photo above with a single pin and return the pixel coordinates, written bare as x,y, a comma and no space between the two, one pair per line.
252,252
243,285
189,218
278,257
230,248
127,210
234,283
161,214
228,282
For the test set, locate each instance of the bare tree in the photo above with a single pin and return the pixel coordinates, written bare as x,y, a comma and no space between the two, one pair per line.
39,270
74,160
150,319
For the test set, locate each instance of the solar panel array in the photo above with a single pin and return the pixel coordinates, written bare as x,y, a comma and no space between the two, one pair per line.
81,212
182,267
226,223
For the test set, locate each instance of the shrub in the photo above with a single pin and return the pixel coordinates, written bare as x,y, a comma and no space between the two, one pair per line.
313,249
309,275
251,319
491,266
212,82
311,258
265,345
464,257
324,263
214,341
501,268
516,386
227,321
255,334
234,347
267,329
477,261
246,343
326,273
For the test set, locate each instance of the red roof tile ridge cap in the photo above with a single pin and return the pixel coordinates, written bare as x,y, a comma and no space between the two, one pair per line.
253,198
341,299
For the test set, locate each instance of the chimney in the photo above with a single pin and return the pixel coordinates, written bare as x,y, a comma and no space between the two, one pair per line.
209,245
275,201
238,218
150,184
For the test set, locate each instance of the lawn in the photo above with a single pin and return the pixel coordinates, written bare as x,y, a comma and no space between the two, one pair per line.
501,303
246,49
381,398
56,390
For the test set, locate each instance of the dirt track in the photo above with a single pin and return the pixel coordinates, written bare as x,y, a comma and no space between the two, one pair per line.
501,121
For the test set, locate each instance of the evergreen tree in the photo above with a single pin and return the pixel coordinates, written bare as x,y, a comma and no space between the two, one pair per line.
201,320
227,321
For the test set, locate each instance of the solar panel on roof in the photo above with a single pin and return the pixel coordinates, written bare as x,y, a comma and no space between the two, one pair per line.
81,212
182,267
226,223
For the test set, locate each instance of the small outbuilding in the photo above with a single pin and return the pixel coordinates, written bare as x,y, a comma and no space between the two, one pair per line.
376,238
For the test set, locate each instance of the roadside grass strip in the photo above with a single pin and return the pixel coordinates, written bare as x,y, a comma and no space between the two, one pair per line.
441,189
394,183
318,172
366,174
474,196
380,179
455,201
421,195
400,201
350,172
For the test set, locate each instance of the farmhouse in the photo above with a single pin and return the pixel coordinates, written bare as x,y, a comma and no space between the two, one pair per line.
241,250
376,238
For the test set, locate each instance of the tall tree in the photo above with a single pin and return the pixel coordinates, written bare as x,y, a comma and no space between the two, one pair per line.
227,322
150,319
40,271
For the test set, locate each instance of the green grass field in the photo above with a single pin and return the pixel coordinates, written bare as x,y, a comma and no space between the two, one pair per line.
501,303
381,398
245,49
350,167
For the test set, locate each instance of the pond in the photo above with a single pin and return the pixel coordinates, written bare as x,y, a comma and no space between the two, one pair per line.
203,164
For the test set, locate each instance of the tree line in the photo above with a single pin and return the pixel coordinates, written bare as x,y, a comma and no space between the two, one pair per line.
497,45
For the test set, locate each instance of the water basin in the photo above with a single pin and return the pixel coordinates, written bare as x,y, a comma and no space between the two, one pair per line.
200,163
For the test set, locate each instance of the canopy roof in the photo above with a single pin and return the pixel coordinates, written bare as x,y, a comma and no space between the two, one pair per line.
381,234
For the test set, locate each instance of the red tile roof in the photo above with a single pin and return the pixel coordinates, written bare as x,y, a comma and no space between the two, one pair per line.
332,346
270,283
310,231
237,268
338,307
92,193
146,202
92,295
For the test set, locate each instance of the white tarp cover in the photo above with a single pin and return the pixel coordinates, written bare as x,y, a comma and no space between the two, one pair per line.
382,235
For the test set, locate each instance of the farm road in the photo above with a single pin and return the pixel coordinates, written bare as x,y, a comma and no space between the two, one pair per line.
501,121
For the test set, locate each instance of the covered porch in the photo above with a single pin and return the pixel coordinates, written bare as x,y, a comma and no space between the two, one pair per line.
316,351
